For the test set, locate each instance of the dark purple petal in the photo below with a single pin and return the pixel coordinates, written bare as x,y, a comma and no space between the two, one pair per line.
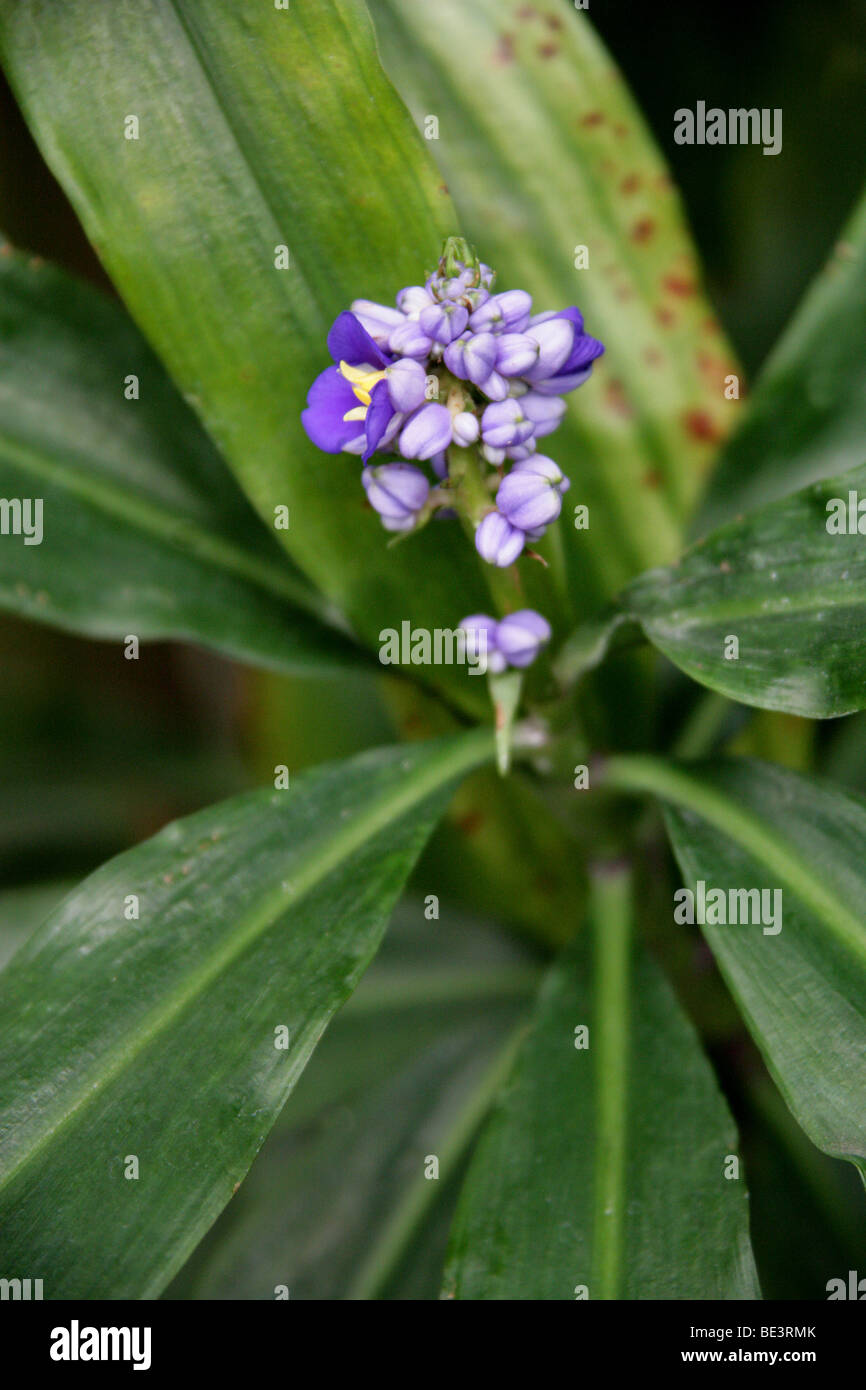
379,414
330,397
349,341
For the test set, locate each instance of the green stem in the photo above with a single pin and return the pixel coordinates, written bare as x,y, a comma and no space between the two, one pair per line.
611,917
703,726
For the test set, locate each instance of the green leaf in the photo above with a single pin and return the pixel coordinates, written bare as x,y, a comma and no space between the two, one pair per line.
544,151
591,1149
258,128
807,416
144,530
802,989
156,1037
404,1072
791,592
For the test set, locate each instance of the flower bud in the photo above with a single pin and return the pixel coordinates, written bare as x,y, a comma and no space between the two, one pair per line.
528,498
503,313
555,339
480,631
426,433
545,412
407,384
497,541
517,353
472,358
503,424
378,319
409,340
520,636
465,429
397,491
443,322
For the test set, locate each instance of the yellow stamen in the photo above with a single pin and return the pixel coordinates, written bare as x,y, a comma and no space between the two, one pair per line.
362,381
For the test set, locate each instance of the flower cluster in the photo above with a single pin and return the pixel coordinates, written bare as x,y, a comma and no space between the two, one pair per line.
464,380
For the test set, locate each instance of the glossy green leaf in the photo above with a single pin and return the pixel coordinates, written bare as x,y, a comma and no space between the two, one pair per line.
801,988
143,530
404,1072
544,151
601,1173
806,419
788,590
156,1036
258,128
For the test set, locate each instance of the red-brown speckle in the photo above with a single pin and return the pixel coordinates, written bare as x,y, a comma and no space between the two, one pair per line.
665,316
592,118
504,51
679,285
653,357
630,184
652,479
553,21
700,425
527,12
471,823
620,130
617,400
548,50
643,230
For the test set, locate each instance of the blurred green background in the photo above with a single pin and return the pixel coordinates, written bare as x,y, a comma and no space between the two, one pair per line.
97,752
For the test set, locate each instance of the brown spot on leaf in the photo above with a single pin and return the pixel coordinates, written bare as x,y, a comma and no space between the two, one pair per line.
653,478
630,184
679,285
643,230
617,400
471,823
548,50
443,189
665,316
504,51
653,357
553,21
620,130
700,425
527,12
592,118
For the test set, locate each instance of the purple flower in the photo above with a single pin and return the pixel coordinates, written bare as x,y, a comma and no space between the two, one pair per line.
413,299
578,365
503,424
531,495
497,541
480,631
428,432
397,491
520,636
